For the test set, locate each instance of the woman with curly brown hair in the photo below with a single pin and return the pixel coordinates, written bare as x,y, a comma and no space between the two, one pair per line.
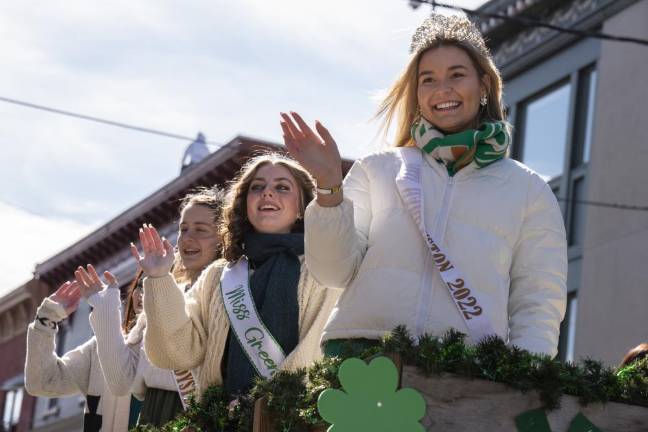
254,312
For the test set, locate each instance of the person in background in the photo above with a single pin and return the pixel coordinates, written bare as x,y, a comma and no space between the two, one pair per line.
123,360
78,371
116,346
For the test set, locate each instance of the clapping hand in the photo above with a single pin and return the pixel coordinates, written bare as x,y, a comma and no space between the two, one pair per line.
158,252
68,296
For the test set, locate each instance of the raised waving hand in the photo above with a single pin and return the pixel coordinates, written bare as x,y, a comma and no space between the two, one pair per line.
89,282
316,152
68,296
158,252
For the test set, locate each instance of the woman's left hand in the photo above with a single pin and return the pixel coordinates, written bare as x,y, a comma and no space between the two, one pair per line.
316,152
90,283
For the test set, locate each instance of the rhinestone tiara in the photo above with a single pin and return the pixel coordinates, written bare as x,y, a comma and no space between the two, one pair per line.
439,28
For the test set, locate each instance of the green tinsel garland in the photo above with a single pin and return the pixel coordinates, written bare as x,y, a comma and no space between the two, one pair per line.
292,396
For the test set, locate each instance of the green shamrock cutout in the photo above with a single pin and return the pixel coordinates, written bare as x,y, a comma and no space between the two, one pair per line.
370,400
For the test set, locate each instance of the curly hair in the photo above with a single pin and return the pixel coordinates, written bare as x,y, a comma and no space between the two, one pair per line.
234,222
210,197
130,315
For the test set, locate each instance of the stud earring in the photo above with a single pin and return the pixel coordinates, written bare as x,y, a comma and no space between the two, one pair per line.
483,100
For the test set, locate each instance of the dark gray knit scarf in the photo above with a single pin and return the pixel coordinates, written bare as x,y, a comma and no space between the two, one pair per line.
275,261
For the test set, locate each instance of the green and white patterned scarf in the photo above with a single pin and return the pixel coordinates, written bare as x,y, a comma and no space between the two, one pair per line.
492,141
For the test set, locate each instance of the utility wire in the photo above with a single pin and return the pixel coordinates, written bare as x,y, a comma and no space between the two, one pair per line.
99,120
605,204
186,138
533,23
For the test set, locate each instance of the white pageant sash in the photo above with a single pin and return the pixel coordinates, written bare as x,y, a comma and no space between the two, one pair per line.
259,345
408,182
185,385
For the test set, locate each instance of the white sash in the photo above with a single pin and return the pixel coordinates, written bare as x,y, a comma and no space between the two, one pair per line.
408,182
185,385
259,345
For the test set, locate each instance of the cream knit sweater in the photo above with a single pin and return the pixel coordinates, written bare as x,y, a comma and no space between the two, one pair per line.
189,331
78,371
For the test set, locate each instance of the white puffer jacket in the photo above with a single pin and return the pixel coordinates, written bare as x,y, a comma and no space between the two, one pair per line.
500,224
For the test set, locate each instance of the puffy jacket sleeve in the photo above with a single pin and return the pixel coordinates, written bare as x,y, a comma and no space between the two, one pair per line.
336,237
176,331
47,374
538,291
118,359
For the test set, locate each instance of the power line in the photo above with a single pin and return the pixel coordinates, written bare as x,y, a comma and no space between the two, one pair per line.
98,120
532,23
604,204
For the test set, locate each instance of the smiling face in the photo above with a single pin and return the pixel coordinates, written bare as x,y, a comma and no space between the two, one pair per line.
449,89
273,200
198,241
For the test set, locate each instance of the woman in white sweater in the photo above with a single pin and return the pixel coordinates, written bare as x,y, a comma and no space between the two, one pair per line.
443,230
253,312
123,360
116,352
78,371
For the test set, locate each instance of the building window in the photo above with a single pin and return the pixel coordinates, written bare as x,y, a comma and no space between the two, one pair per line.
589,86
543,131
12,407
576,225
554,130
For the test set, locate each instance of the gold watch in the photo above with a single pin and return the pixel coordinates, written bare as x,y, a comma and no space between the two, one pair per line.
329,191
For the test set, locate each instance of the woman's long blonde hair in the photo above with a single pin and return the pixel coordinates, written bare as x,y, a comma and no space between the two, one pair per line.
401,103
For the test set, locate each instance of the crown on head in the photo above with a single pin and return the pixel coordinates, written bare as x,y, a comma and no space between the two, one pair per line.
439,28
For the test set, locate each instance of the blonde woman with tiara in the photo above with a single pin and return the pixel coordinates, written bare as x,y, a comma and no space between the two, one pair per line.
443,230
257,310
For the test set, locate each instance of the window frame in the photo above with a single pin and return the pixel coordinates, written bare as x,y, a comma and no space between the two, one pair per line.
13,386
574,65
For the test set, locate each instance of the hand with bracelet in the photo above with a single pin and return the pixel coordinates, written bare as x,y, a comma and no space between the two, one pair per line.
318,154
67,296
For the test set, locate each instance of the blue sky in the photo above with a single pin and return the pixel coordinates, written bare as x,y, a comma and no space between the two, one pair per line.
221,67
